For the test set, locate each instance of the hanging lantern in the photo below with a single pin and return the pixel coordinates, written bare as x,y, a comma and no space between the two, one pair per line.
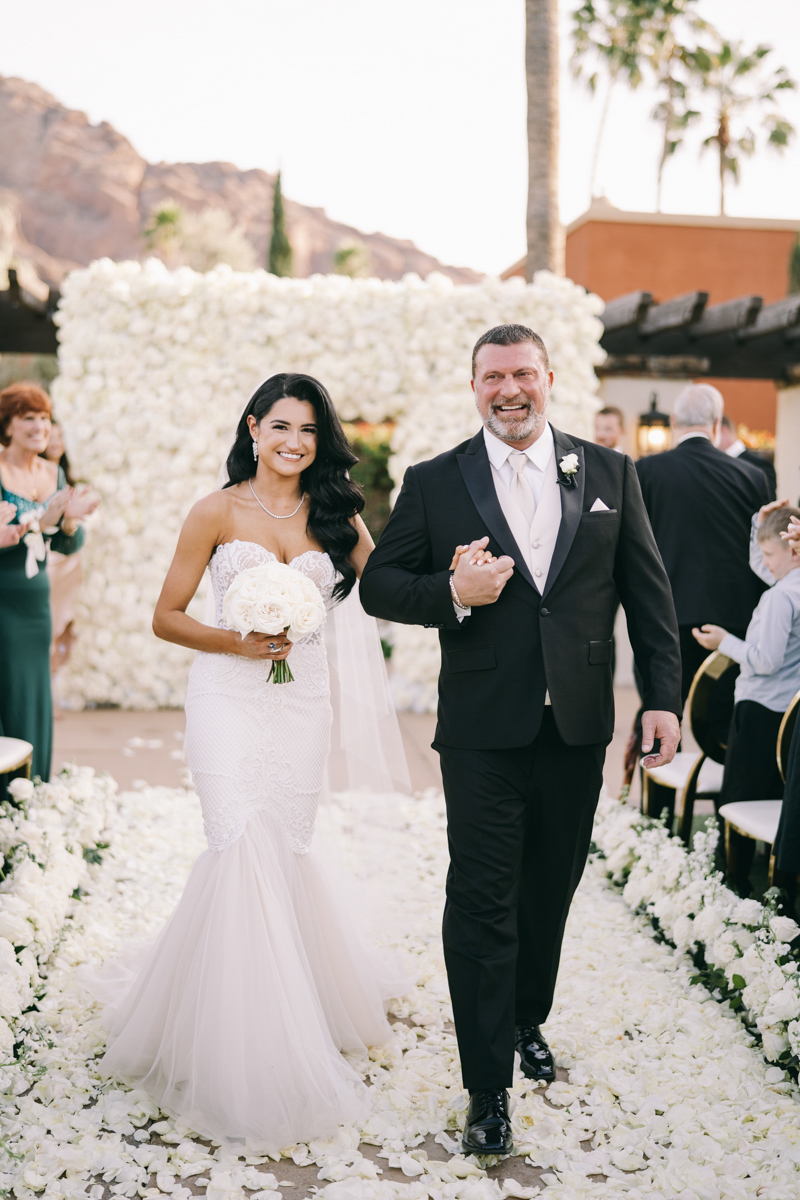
653,433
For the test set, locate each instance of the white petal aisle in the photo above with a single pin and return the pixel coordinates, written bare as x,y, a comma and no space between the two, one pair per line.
666,1096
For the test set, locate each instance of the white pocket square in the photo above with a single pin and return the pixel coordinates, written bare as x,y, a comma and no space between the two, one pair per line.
598,506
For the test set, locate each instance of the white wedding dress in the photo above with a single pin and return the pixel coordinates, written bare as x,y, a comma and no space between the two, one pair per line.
235,1021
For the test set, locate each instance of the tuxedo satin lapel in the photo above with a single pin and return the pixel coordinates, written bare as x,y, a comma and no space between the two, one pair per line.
477,473
571,506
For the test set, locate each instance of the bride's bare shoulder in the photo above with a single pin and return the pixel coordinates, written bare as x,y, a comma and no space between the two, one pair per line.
215,506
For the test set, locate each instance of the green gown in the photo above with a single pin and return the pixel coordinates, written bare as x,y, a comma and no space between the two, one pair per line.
26,705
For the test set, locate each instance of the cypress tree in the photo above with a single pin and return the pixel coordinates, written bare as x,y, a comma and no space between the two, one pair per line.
794,268
280,249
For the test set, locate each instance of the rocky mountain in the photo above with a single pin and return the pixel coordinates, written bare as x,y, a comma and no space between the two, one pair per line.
82,191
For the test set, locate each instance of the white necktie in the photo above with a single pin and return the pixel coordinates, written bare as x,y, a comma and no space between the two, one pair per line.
520,489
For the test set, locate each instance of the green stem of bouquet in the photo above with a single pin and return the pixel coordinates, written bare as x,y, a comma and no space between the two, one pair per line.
281,672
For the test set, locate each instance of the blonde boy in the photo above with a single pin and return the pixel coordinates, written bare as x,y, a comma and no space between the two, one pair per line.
770,660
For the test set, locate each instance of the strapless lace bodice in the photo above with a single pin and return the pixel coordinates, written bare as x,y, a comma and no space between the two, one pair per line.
253,744
231,558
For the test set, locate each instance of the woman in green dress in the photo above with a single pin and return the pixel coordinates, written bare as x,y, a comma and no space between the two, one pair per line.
47,512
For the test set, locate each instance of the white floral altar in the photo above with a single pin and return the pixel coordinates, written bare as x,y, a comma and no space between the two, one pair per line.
156,367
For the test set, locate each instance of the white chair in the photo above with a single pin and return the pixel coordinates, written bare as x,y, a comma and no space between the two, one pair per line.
15,755
757,820
693,774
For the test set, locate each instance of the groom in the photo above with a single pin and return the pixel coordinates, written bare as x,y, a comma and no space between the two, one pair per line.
556,531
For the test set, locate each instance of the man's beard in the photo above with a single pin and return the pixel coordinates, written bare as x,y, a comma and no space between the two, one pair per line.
528,424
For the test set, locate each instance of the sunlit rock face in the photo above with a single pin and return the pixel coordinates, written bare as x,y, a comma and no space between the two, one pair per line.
84,192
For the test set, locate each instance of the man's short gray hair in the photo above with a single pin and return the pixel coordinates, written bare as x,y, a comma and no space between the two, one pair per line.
698,404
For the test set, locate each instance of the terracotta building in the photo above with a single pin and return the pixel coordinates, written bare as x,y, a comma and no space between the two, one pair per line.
612,252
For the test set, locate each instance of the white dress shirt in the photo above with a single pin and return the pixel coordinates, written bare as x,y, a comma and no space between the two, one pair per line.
538,456
695,433
536,541
736,448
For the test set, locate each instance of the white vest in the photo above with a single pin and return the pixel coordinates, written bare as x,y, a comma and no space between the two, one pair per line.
537,543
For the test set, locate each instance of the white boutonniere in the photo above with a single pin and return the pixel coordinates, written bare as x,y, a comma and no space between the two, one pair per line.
569,467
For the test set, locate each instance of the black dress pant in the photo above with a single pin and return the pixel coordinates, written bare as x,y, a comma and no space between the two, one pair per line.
787,843
751,765
519,825
751,757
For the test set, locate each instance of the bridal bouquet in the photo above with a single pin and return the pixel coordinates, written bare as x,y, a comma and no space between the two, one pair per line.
274,598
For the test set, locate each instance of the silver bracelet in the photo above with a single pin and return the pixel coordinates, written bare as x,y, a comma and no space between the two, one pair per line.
454,594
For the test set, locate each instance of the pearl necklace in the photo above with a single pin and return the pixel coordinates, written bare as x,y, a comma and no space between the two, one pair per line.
277,516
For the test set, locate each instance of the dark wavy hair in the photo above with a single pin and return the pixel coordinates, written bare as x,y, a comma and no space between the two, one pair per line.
333,498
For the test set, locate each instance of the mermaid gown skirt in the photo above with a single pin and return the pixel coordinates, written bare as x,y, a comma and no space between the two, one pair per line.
236,1020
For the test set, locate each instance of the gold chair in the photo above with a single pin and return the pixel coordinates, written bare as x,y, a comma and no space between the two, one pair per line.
691,774
16,757
757,820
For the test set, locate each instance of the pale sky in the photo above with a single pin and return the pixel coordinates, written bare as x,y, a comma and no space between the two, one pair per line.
406,117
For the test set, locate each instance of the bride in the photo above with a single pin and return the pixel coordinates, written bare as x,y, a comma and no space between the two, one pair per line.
236,1020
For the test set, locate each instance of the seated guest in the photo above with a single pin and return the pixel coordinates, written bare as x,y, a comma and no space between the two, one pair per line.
734,447
700,503
769,656
609,428
787,842
46,511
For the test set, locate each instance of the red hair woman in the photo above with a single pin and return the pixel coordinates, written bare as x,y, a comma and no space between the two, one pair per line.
48,512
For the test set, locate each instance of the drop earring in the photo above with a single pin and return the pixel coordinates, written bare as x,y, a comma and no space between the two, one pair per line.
255,449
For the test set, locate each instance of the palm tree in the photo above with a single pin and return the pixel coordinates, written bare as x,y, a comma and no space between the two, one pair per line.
739,83
545,235
612,32
628,35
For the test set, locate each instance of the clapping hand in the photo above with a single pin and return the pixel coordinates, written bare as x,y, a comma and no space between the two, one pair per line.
478,576
81,503
9,534
710,636
56,506
792,534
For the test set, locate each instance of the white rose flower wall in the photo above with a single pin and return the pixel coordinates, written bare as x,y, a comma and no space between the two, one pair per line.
156,367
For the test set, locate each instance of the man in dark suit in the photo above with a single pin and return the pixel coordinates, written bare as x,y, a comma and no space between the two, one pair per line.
700,503
732,445
526,704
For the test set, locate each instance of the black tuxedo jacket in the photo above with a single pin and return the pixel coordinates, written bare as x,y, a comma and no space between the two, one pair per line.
498,663
700,503
763,464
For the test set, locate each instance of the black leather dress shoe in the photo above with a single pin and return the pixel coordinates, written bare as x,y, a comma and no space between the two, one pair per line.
534,1053
488,1126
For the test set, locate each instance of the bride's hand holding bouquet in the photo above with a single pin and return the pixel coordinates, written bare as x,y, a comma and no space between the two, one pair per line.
271,606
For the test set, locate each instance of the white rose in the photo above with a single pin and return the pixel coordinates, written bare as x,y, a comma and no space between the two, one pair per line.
782,1006
784,928
21,789
748,912
271,615
774,1044
237,614
306,618
18,931
6,1038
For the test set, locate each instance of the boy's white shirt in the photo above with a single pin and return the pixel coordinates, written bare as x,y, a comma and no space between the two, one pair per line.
770,653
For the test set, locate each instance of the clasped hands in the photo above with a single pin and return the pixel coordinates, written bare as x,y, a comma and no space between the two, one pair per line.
479,577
